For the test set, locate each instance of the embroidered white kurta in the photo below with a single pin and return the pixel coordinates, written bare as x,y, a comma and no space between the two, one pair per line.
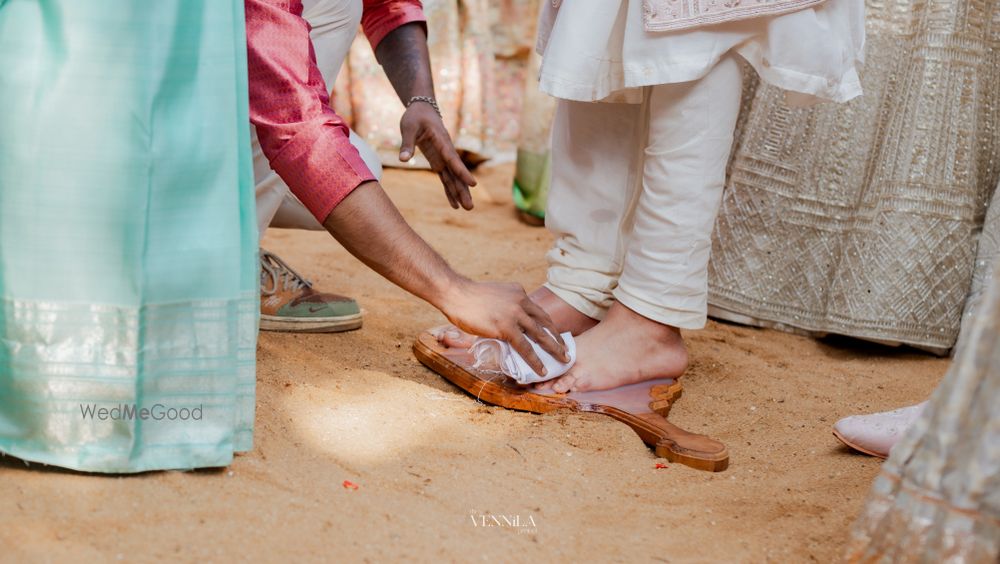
600,50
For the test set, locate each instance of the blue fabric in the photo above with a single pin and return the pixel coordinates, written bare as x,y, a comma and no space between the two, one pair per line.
128,243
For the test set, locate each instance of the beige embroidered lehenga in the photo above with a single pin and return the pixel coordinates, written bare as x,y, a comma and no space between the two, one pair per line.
937,498
864,219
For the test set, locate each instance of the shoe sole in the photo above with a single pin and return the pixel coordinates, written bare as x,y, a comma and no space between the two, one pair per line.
311,324
856,447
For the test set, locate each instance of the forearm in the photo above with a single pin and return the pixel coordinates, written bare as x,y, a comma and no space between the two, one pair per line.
370,227
404,57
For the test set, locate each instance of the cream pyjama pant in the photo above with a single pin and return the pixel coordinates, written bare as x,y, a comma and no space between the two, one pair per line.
634,195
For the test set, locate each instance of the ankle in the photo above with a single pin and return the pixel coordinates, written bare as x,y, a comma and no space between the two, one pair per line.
661,333
565,316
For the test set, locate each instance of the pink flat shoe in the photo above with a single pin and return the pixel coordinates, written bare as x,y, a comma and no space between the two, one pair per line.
876,434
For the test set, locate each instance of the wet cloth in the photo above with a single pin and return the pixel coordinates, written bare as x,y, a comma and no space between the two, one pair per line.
499,356
128,255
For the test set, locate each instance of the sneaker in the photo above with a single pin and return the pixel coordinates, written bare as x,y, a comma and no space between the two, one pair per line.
289,303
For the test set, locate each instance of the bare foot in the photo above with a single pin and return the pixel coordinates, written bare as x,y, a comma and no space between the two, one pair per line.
623,349
565,316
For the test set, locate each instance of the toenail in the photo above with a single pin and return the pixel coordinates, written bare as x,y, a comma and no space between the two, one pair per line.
452,334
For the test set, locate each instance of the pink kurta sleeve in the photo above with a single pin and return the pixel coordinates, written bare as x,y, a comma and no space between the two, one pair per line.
306,143
382,16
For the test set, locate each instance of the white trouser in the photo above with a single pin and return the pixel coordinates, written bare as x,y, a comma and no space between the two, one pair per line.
634,195
334,25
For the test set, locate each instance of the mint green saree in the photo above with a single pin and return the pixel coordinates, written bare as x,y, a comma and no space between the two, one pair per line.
128,245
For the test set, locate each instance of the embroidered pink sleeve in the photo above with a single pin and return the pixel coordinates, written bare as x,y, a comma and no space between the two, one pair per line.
306,143
382,16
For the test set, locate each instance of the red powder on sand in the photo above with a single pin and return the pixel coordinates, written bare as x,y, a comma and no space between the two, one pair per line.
350,485
660,466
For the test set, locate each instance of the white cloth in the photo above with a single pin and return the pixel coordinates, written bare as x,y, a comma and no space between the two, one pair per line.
593,49
334,25
634,194
498,356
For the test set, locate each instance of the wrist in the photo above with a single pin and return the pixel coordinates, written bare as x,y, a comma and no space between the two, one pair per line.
449,292
428,100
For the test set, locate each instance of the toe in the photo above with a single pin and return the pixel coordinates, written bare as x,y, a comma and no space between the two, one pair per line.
453,338
580,382
564,384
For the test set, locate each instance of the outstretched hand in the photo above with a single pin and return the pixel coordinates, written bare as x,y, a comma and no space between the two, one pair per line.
422,127
504,311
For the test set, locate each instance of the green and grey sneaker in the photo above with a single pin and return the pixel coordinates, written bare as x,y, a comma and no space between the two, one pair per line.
289,303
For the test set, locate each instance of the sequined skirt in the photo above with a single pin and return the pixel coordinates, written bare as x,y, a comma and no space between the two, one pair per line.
937,498
128,270
865,219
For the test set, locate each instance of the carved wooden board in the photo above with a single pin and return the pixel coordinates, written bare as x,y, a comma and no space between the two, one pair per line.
643,407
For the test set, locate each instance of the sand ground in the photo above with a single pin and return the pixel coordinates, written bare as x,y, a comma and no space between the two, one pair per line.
431,462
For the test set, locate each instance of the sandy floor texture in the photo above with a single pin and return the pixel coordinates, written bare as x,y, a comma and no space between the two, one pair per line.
432,466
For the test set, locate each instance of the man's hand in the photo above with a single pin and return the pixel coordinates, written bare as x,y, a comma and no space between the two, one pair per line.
403,54
504,311
371,228
421,126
